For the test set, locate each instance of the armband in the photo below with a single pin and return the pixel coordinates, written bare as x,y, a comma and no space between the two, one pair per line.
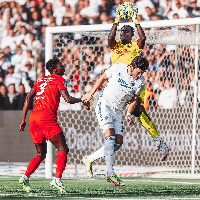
129,114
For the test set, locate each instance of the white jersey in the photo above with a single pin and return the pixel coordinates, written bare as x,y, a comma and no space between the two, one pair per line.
121,87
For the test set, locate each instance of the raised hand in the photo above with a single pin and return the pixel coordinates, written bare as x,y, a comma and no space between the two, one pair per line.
134,17
118,17
135,10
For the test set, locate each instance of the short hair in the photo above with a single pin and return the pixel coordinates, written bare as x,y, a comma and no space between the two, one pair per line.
21,84
128,26
140,62
52,64
11,84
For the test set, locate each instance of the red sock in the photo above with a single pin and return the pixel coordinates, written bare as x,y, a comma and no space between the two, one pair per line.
33,165
60,163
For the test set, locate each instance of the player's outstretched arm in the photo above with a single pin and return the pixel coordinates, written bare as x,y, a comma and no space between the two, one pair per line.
111,36
142,37
131,108
27,104
88,96
72,100
68,98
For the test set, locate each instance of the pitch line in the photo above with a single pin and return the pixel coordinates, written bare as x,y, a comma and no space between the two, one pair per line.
67,197
187,183
39,196
145,199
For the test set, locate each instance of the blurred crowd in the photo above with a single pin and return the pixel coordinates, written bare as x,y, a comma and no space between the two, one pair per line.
169,80
22,41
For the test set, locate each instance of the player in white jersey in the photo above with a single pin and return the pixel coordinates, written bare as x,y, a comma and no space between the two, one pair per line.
125,83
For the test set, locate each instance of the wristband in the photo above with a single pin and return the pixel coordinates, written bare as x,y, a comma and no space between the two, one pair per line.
129,114
137,22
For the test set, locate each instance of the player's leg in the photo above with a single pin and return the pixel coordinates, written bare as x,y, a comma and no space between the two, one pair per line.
117,131
150,126
100,153
144,119
88,160
60,143
113,178
33,165
109,150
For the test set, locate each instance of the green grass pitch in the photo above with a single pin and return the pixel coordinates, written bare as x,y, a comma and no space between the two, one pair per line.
98,188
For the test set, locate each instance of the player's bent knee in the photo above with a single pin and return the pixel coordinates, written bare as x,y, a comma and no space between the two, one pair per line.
137,112
42,156
117,147
64,148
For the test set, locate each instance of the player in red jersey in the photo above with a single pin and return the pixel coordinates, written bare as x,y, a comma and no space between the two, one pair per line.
43,121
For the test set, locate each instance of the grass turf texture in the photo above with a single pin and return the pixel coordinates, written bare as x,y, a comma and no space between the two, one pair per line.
135,188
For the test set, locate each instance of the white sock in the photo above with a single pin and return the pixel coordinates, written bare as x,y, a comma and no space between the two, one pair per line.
25,177
96,155
57,179
109,154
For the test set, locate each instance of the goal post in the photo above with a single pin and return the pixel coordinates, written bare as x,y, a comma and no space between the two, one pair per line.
49,156
182,42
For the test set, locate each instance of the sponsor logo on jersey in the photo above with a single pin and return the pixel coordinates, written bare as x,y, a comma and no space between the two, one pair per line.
123,83
46,79
132,83
122,51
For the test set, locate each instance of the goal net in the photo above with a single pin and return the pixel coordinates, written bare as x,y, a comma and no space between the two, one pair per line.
172,48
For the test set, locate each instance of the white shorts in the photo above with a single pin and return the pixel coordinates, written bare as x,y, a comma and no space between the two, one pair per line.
109,117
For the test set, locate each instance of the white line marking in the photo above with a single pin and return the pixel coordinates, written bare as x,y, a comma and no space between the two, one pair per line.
175,182
88,198
39,196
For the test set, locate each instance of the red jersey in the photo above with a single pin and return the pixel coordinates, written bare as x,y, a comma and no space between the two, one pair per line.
48,93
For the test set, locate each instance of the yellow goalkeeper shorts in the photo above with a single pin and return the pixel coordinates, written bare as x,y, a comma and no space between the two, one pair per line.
142,95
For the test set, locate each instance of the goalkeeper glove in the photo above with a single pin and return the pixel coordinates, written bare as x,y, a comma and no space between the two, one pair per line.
118,17
134,18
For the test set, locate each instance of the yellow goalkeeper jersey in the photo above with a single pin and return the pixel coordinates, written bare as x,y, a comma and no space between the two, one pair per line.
125,53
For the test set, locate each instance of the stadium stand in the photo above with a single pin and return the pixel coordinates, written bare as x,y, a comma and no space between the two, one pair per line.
22,40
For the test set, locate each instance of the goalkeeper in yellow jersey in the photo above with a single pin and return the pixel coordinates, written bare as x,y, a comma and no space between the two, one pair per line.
124,51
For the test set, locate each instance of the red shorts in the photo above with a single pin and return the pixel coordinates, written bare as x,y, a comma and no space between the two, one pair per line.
43,126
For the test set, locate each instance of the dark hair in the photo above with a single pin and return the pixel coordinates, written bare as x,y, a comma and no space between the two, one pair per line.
128,26
52,64
140,62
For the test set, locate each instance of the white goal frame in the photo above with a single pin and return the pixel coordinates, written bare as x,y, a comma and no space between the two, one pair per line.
150,24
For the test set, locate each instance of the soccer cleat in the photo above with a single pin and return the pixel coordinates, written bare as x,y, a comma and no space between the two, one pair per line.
25,184
157,142
164,149
88,165
115,179
58,185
